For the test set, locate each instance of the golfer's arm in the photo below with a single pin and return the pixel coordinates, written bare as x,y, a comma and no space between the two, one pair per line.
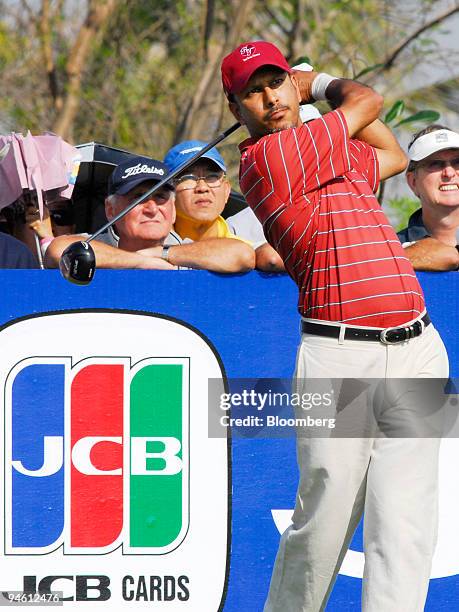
432,255
215,254
392,160
106,256
359,104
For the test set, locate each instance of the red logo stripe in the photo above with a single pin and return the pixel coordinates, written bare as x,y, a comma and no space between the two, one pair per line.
97,398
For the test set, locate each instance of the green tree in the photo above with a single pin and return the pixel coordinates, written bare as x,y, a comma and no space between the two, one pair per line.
401,208
142,75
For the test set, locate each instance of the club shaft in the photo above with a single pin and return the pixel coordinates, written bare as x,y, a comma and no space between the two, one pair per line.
165,180
38,249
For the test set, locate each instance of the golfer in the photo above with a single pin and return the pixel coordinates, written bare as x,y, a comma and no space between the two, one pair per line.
363,315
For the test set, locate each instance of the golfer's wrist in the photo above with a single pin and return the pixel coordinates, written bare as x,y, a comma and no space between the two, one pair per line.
304,80
320,85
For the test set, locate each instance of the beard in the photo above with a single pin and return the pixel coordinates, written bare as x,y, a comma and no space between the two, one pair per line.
274,130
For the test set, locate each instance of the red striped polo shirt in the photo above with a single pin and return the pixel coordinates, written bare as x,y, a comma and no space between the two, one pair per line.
313,188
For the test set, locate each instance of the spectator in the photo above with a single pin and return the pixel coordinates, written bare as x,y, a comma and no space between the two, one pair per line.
144,237
202,192
430,240
14,254
57,221
20,215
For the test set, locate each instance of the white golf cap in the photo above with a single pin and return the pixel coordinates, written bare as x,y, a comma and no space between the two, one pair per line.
308,112
433,142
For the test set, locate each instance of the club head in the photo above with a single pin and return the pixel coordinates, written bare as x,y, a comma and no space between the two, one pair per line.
78,263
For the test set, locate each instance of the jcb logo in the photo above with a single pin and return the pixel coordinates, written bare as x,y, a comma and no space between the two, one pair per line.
113,490
97,456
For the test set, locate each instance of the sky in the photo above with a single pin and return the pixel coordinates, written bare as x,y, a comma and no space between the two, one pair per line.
450,41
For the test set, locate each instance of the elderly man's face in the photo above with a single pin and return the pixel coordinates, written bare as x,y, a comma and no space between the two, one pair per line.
270,102
201,192
149,223
435,179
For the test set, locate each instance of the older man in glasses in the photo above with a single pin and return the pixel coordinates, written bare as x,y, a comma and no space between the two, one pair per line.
144,237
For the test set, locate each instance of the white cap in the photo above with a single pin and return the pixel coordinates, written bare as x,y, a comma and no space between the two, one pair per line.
305,67
433,142
308,112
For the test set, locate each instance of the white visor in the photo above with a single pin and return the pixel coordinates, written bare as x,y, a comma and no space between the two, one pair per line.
433,142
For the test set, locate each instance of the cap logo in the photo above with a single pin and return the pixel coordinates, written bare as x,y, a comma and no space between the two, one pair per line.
248,52
142,169
192,150
441,137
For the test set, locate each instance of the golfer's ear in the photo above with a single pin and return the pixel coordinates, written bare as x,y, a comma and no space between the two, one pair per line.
234,108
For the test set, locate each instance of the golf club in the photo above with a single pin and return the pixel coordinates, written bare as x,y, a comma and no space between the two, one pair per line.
78,261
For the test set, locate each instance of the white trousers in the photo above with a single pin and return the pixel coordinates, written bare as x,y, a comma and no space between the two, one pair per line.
394,479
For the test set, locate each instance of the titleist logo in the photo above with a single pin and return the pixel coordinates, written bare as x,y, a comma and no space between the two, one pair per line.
142,169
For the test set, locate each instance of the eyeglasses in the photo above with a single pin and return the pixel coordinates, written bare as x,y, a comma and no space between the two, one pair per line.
436,165
190,181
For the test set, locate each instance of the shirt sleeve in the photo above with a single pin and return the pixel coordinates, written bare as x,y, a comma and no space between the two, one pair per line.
245,225
14,254
365,161
324,143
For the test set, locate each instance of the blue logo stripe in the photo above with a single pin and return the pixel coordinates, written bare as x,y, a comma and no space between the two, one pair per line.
38,499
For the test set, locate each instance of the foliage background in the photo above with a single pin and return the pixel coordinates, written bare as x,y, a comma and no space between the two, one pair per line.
143,74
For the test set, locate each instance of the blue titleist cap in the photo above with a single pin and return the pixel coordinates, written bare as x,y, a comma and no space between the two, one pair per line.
136,170
183,151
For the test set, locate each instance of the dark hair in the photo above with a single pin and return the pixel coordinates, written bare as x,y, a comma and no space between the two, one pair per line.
434,127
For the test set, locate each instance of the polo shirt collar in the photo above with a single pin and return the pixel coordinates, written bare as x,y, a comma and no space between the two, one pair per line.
245,144
416,229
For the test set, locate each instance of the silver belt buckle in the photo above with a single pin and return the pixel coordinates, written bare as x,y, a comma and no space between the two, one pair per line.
383,335
409,332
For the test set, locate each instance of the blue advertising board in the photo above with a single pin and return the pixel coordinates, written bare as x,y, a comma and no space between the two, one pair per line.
251,323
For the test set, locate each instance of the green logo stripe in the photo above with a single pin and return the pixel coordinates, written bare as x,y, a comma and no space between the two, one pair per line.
156,464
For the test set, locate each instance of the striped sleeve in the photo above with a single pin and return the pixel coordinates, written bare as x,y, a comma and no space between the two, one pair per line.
325,145
365,161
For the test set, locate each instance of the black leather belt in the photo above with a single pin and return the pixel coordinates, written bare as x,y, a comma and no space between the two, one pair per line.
390,335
